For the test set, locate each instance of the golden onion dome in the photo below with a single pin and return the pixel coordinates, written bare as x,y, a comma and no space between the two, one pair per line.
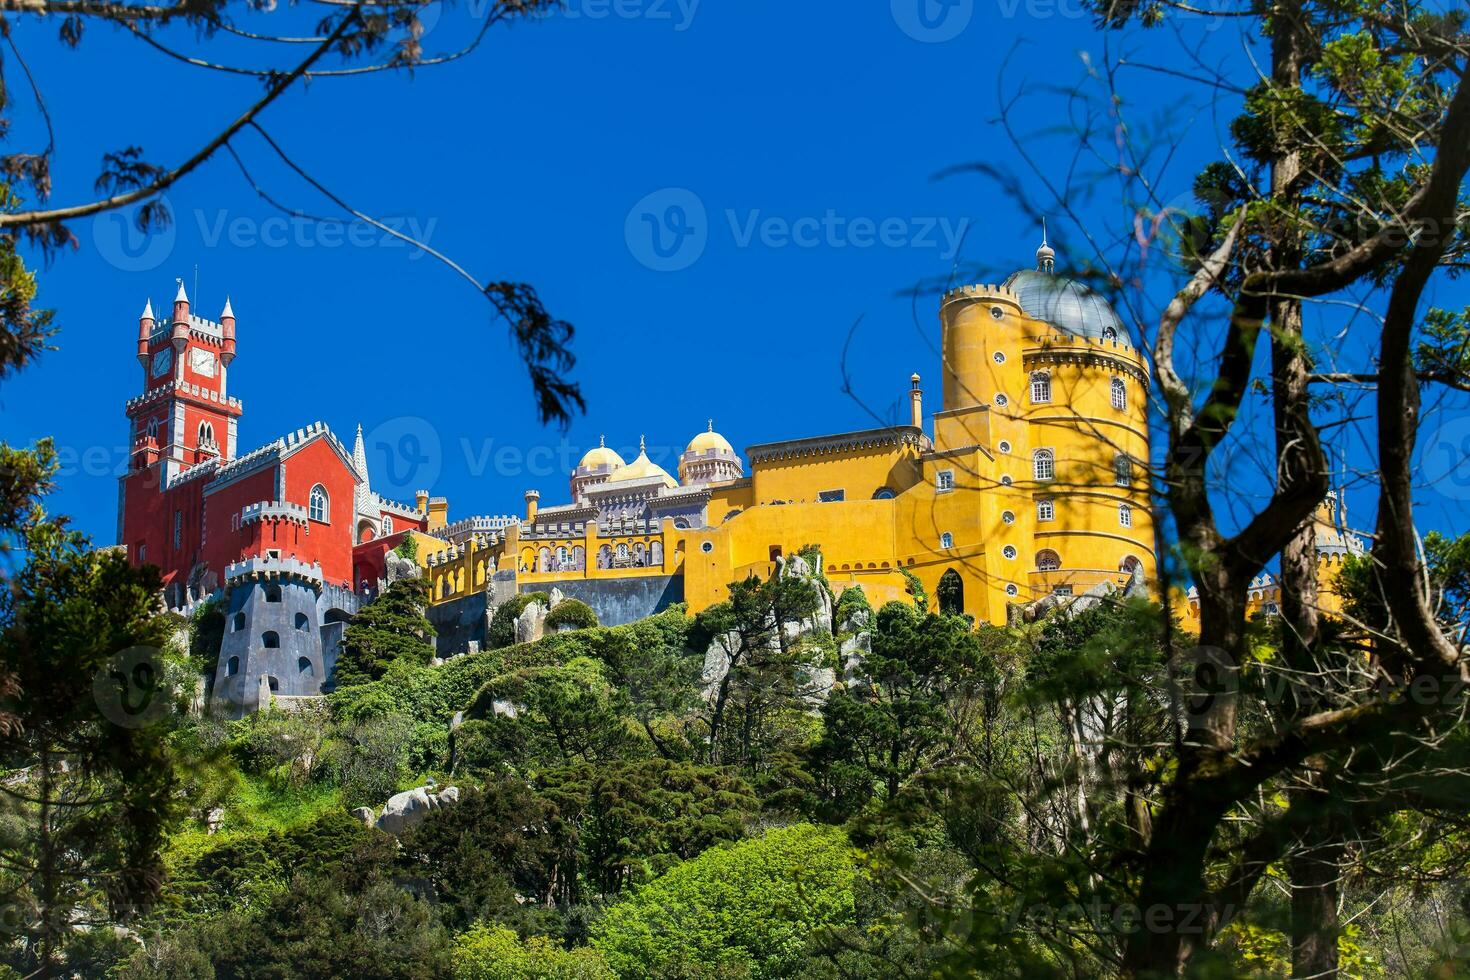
710,441
642,468
601,457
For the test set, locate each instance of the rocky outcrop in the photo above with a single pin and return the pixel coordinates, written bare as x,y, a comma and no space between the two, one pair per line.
366,815
409,808
397,568
531,623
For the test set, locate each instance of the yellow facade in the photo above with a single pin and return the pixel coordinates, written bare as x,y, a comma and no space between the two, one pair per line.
1030,480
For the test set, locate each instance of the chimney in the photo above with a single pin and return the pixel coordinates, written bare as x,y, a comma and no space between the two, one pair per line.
916,402
533,498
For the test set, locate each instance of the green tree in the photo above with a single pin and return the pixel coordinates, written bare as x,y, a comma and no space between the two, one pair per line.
392,627
761,666
747,909
622,823
547,716
497,953
88,699
900,715
480,853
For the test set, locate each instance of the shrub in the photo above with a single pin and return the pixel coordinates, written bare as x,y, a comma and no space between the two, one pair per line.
408,548
571,612
502,632
497,953
747,909
852,601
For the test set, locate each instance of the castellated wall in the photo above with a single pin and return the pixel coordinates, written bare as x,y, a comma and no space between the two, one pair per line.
616,601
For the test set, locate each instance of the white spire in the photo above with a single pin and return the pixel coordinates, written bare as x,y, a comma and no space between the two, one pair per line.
147,311
229,311
181,297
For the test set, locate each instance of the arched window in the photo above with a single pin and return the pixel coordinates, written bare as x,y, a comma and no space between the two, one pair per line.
1132,566
1044,464
604,557
302,623
321,505
680,524
233,667
206,435
153,428
270,640
1125,515
1110,333
1120,394
272,593
1040,388
1122,470
656,554
883,493
951,593
1046,509
239,622
946,540
303,666
1048,560
387,525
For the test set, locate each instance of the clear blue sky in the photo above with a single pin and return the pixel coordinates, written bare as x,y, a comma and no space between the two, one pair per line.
529,161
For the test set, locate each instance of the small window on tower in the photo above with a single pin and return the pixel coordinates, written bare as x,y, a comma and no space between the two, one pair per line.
178,528
320,507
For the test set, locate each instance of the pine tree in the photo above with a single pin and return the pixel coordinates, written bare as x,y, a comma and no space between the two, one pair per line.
391,627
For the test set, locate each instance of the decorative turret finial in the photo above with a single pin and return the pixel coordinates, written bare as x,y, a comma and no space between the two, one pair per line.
228,311
642,446
1045,255
602,441
711,426
148,310
181,296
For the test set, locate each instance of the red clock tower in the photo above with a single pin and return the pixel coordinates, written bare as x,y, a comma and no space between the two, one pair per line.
184,418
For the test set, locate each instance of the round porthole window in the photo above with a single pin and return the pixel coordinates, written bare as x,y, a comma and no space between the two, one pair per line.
996,312
1004,447
1011,590
999,357
1008,517
1001,399
1005,481
1009,551
707,547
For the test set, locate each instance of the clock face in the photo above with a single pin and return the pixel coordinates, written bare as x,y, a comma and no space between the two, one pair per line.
202,361
162,361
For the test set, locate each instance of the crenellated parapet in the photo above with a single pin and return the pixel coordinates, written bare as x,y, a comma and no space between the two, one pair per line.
266,569
274,510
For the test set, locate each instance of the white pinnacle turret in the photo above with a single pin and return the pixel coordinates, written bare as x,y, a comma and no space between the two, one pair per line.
147,310
181,297
363,496
229,311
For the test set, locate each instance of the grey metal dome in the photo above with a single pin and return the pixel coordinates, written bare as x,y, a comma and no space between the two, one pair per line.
1069,305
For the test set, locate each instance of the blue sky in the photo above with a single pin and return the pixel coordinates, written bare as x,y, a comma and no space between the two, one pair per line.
801,142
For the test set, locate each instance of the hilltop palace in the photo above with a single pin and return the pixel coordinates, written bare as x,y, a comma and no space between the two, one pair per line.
1028,482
